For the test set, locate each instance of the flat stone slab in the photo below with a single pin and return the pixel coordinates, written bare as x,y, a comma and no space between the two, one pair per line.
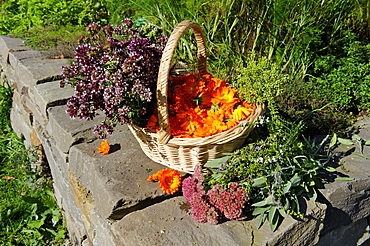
32,68
9,44
67,131
49,94
169,223
348,201
117,181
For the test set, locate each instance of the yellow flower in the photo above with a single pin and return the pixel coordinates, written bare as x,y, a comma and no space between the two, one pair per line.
104,147
169,180
241,113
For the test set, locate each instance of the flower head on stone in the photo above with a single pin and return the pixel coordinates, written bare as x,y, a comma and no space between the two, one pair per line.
169,180
104,147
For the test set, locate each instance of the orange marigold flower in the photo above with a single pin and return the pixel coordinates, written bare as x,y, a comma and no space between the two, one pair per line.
205,99
153,177
153,123
225,95
190,119
215,83
201,105
104,147
231,123
169,180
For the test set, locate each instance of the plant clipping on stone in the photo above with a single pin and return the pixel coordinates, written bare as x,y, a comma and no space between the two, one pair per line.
115,72
104,147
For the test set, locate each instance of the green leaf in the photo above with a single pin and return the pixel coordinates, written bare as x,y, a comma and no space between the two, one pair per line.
215,163
60,234
261,220
286,187
260,210
367,142
345,141
295,180
344,179
312,195
267,201
56,216
287,203
333,141
260,204
273,218
259,182
36,223
282,212
330,169
272,212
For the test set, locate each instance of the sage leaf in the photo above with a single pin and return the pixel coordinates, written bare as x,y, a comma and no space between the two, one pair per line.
261,220
330,169
333,141
345,179
312,195
295,180
216,163
282,212
260,204
345,141
260,210
286,187
259,182
273,218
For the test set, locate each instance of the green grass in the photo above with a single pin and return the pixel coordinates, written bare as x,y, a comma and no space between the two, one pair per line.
29,214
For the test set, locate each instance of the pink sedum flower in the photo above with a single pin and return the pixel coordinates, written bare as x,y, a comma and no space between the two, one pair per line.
216,203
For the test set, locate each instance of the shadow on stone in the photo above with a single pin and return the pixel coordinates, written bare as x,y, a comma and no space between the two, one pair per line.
114,148
334,217
120,212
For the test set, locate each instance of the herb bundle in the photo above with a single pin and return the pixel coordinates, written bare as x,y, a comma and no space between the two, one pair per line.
115,71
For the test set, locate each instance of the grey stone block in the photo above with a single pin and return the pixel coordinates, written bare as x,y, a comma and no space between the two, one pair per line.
9,44
57,159
49,94
32,68
117,181
355,234
169,223
77,234
38,117
349,200
8,73
20,127
59,171
102,229
18,107
67,131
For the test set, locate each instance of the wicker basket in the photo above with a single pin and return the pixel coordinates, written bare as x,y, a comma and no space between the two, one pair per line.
185,153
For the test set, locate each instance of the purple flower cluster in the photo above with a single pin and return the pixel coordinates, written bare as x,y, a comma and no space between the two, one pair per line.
216,203
115,71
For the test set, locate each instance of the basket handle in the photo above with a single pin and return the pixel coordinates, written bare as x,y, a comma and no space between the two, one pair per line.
164,135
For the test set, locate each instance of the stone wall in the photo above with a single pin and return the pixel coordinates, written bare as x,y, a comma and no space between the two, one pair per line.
107,200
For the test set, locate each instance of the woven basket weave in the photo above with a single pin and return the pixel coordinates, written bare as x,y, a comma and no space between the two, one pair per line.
185,153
